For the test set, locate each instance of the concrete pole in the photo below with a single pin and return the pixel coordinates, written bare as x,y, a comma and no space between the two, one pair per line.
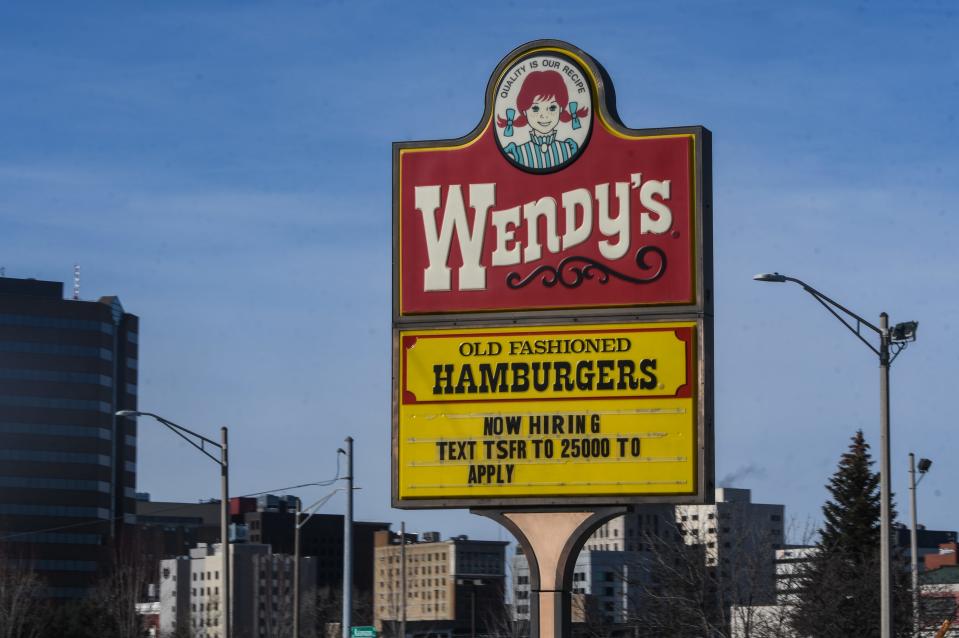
348,544
885,483
225,529
402,579
914,544
296,570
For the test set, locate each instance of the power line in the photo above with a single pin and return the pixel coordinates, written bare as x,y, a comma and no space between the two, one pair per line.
179,506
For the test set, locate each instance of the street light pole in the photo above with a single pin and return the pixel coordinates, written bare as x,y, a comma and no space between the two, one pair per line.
924,465
891,343
201,442
885,486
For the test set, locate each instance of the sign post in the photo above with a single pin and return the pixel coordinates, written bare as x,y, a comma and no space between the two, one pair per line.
552,315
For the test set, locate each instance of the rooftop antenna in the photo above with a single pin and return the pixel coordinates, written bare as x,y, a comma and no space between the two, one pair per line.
76,282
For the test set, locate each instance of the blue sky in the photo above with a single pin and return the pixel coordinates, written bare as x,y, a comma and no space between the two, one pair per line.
224,167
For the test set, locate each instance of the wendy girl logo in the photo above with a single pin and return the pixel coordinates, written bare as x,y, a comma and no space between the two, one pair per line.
543,111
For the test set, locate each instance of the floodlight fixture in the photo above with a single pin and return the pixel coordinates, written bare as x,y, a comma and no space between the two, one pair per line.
924,465
904,332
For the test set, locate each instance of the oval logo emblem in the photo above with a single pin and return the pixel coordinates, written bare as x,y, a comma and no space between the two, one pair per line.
543,112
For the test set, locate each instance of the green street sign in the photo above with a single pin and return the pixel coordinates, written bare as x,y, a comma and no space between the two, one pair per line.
362,632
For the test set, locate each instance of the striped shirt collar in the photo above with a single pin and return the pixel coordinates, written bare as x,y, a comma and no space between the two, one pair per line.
536,138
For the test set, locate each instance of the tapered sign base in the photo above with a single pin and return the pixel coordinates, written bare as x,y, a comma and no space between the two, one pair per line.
551,542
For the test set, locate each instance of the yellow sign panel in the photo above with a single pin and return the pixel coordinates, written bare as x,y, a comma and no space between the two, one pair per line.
584,410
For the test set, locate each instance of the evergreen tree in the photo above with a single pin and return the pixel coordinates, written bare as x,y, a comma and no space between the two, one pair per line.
839,592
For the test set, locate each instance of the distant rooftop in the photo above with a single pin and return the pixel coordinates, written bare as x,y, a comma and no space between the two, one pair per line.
945,575
51,290
733,495
31,288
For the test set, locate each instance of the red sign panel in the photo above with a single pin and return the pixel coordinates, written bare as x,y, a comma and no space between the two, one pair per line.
550,203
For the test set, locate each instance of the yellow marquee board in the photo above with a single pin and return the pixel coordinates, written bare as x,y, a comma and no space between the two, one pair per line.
486,416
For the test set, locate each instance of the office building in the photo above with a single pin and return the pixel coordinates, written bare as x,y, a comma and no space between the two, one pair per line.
928,541
67,465
268,519
191,592
734,539
740,539
168,529
600,588
453,587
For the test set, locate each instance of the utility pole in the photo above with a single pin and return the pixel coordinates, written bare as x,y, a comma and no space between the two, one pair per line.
296,570
924,465
297,526
473,609
225,529
402,579
914,544
348,543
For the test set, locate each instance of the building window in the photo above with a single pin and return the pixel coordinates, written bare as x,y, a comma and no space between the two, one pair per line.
52,322
55,510
55,430
59,404
56,537
56,375
55,457
55,483
55,348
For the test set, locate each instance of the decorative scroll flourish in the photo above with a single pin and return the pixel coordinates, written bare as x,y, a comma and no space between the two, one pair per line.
574,270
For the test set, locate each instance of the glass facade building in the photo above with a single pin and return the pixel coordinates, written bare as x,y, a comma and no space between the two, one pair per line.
67,465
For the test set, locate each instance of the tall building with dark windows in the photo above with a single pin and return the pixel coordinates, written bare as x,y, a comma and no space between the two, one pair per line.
67,465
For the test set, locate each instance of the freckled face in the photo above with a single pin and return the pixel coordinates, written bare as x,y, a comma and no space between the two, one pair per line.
543,115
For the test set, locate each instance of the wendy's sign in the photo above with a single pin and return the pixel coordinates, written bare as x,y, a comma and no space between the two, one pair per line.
551,204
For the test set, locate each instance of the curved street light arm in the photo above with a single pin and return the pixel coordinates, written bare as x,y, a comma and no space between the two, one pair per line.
833,306
180,431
